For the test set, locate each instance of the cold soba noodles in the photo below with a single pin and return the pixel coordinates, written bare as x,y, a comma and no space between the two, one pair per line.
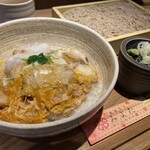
110,19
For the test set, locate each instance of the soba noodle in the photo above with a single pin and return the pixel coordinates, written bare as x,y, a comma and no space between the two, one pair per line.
110,19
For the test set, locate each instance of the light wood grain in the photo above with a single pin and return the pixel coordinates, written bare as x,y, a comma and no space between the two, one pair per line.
140,143
43,13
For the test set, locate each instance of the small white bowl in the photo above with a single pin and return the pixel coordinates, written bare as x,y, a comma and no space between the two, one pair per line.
15,9
61,33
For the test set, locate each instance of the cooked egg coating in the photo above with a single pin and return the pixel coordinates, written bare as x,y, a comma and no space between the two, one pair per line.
37,93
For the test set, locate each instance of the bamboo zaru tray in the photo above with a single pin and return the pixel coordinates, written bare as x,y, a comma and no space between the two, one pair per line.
115,41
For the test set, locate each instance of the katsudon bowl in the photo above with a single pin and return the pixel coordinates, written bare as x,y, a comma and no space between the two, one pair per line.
50,33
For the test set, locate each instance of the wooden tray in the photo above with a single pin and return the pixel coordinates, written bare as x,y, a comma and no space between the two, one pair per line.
114,41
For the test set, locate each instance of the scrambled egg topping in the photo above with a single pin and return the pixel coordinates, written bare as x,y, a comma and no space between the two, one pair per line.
44,87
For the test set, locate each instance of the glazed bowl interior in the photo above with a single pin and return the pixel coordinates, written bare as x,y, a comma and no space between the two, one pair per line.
60,34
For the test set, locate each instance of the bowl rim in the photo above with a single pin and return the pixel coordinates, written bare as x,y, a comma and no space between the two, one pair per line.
16,4
73,117
123,51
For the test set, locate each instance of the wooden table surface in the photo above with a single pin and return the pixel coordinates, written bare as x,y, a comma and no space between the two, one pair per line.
134,137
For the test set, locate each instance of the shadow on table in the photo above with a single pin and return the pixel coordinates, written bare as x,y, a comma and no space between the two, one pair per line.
66,145
122,92
70,140
129,96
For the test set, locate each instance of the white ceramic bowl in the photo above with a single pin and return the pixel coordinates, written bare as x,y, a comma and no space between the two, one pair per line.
61,33
15,9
